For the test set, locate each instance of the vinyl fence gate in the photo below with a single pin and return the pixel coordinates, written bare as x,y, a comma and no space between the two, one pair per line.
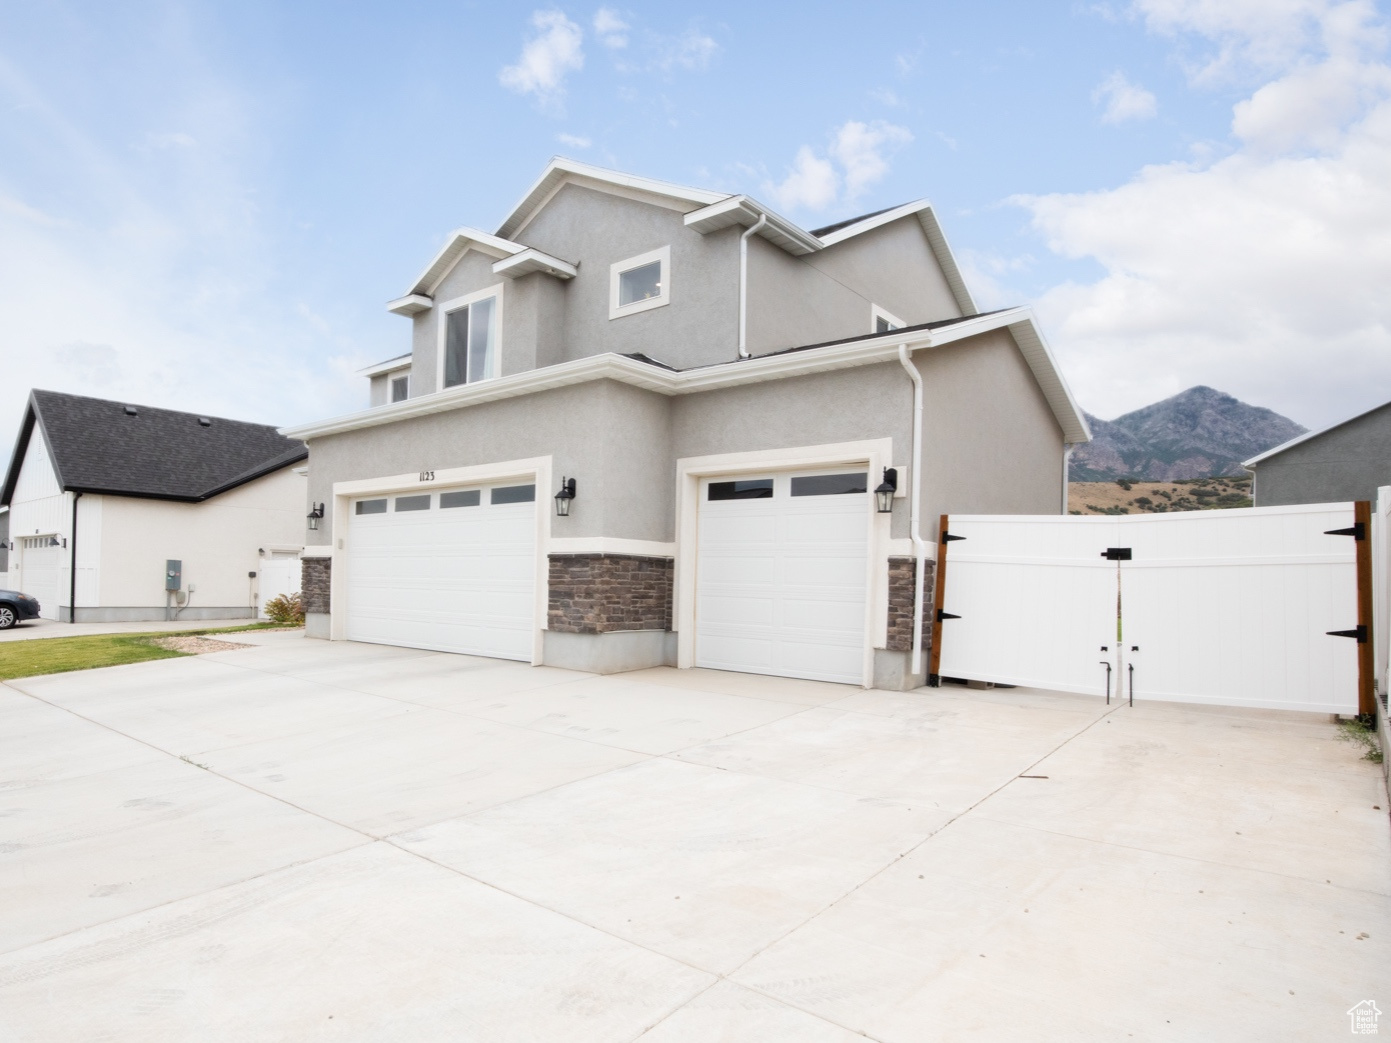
1261,607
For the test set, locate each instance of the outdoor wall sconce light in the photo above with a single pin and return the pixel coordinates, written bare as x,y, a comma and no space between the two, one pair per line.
563,498
316,512
885,493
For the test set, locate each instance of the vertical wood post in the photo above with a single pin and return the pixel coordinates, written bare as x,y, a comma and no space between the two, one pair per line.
939,593
1366,664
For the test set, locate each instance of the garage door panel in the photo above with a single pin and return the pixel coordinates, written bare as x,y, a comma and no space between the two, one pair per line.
781,584
455,579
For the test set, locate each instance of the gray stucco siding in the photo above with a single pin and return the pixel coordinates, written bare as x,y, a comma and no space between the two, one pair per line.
894,267
610,437
1349,462
699,326
993,445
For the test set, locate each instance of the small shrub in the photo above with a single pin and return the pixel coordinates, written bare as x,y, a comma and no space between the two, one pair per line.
1143,501
1165,493
287,609
1362,732
1123,483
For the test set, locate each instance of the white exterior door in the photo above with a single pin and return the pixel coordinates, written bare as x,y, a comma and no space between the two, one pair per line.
43,570
280,575
782,574
452,570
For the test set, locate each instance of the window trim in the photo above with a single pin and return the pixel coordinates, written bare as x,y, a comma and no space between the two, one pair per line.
876,313
442,332
662,254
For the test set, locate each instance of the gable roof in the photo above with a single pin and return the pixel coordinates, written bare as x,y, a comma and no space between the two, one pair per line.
705,211
1309,436
99,446
561,170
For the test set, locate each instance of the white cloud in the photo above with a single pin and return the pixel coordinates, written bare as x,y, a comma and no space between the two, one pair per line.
1124,100
611,30
860,149
547,58
811,184
857,158
692,51
573,140
1262,273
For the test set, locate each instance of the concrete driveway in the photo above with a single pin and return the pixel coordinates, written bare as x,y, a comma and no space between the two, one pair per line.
304,841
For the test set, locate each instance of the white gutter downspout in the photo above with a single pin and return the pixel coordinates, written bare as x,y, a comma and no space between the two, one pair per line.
744,283
915,505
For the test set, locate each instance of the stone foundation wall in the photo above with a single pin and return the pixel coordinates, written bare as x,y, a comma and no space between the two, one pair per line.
603,593
901,571
313,586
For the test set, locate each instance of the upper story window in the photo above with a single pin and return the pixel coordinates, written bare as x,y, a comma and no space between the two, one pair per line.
470,338
401,387
882,322
640,283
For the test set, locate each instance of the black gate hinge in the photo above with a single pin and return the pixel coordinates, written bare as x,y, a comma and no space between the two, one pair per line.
948,537
1116,554
944,614
1357,532
1359,632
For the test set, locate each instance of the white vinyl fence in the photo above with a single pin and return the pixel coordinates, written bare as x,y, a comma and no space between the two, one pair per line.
1229,607
1381,589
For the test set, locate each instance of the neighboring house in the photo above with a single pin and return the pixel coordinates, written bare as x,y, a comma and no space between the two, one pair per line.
101,495
725,389
1348,461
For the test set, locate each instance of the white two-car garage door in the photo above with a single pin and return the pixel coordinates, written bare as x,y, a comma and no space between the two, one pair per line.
451,570
782,573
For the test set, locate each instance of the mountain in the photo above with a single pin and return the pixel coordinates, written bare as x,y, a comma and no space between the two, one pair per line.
1198,433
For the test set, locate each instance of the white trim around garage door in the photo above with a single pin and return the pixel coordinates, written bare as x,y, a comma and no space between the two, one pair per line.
536,469
873,454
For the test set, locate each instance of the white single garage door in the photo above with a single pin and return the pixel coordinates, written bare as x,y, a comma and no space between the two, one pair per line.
781,575
452,570
43,570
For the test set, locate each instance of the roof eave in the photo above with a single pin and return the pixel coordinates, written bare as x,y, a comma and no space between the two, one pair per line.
560,169
744,212
843,355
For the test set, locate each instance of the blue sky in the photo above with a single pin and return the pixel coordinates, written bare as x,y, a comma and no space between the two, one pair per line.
206,205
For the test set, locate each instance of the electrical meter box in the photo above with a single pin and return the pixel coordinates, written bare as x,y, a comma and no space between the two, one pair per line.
173,575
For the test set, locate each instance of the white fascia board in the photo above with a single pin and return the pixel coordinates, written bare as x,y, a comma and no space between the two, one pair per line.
947,260
1250,464
533,260
863,352
389,366
410,304
460,240
744,212
877,221
559,169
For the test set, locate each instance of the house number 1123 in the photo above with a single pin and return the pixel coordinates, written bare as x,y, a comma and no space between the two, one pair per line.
427,476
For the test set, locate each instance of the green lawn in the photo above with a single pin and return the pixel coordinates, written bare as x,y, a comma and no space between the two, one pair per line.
56,655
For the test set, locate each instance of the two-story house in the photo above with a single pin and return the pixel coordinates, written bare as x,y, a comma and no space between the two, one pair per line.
642,424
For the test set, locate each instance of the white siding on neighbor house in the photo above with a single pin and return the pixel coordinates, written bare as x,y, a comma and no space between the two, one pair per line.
218,542
39,507
89,512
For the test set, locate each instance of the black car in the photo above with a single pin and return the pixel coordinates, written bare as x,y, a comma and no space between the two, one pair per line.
15,606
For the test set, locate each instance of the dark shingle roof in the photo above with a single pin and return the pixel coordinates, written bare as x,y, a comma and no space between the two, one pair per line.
819,232
99,446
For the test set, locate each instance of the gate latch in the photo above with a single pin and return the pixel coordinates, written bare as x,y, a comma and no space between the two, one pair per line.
1359,632
1116,554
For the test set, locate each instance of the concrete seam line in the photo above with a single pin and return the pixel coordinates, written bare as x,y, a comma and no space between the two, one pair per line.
914,847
